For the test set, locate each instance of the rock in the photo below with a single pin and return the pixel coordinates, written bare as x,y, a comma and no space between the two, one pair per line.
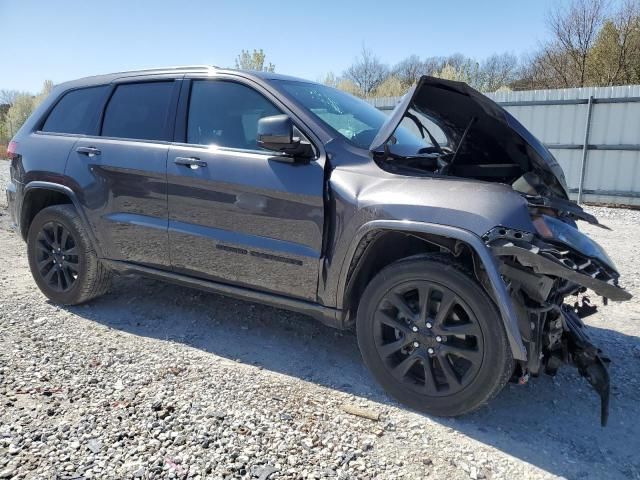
263,472
7,473
94,445
144,379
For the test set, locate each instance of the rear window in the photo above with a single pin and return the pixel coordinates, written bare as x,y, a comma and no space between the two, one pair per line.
139,111
76,112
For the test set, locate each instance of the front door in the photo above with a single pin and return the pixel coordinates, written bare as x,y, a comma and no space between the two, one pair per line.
236,214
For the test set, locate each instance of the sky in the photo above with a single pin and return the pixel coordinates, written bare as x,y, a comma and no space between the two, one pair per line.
62,40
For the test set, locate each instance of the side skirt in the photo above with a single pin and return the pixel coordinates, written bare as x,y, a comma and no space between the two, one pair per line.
329,316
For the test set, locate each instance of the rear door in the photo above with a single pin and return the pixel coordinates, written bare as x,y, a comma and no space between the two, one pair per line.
75,114
238,215
121,174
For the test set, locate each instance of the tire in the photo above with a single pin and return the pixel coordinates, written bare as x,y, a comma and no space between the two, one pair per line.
452,376
73,273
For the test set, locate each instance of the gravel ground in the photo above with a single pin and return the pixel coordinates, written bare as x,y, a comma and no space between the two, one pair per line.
158,381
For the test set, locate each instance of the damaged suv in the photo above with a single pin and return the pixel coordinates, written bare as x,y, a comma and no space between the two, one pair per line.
443,233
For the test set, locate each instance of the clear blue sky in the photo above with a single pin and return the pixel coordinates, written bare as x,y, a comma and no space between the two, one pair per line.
61,40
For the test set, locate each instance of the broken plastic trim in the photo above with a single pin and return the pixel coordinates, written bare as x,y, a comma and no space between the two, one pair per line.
585,272
588,359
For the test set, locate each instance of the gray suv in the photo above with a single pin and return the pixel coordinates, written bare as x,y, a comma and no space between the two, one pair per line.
443,233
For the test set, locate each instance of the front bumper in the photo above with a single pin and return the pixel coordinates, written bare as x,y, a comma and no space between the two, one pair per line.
587,273
540,275
561,262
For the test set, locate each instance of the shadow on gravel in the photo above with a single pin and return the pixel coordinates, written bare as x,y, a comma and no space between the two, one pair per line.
550,423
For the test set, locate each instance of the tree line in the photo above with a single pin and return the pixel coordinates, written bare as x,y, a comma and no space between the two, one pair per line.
15,108
590,43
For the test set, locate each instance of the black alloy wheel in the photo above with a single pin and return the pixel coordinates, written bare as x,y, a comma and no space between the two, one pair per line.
428,337
62,259
432,337
57,256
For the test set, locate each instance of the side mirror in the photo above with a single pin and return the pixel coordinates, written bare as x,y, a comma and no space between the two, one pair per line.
276,133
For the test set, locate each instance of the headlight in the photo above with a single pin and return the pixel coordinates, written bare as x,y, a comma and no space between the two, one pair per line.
554,229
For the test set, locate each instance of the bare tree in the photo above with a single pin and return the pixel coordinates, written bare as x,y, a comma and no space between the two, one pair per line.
498,70
409,70
432,65
367,72
575,29
8,97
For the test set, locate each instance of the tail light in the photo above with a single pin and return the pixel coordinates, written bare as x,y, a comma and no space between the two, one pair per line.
12,149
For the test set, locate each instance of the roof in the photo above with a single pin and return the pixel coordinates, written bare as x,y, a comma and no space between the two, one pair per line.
206,69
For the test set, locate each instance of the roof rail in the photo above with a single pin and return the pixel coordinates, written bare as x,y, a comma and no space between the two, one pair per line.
176,67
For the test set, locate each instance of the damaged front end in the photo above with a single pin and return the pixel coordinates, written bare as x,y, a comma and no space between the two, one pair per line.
547,269
543,272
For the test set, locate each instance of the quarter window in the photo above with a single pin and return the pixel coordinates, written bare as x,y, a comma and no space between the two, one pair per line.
226,114
139,111
76,112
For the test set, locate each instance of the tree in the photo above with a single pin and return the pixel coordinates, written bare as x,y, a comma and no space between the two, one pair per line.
330,80
8,97
497,71
22,105
47,86
449,72
409,70
574,30
391,87
348,86
253,61
615,56
467,72
367,72
432,65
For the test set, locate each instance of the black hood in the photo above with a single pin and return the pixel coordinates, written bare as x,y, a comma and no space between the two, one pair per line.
494,138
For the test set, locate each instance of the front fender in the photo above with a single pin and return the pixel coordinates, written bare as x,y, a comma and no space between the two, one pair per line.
500,295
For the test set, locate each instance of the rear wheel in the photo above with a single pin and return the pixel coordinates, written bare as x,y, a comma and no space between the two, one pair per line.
432,337
62,261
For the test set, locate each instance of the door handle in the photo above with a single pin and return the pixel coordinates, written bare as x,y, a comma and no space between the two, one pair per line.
192,162
88,151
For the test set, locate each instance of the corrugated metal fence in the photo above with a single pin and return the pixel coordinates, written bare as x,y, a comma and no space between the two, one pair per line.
593,132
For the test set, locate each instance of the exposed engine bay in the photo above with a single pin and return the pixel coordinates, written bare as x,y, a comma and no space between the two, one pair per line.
547,269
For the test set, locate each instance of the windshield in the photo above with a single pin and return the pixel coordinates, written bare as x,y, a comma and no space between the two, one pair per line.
351,117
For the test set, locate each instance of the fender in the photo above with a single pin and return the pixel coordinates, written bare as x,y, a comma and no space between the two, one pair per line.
37,184
501,296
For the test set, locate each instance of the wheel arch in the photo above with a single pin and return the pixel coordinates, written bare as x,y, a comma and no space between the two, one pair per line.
367,255
39,195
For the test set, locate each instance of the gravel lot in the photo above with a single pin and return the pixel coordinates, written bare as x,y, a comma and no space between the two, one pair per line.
158,381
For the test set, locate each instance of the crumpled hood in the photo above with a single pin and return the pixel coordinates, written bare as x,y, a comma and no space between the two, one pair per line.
495,136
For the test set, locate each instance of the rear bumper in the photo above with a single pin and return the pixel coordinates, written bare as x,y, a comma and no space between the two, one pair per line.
12,201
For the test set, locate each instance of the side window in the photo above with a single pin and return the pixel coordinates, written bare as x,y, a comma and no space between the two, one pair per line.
138,110
226,114
76,112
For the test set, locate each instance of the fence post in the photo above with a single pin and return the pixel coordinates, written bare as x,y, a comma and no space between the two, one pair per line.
585,147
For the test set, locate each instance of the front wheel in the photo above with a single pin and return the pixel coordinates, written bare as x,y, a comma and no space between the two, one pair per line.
432,337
